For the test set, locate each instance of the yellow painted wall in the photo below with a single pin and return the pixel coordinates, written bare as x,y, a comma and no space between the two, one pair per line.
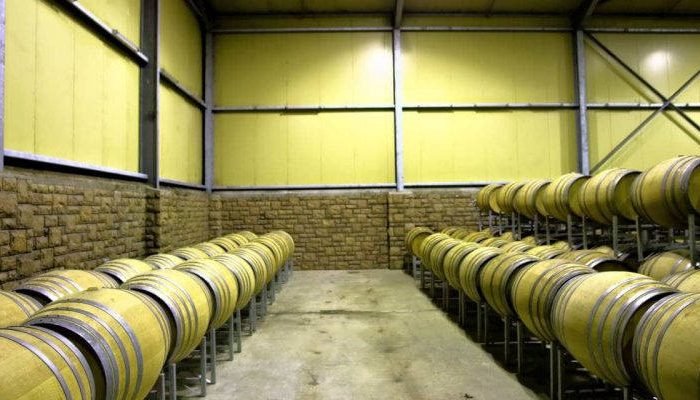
304,149
466,146
181,122
68,95
303,69
181,44
122,15
180,138
666,61
449,67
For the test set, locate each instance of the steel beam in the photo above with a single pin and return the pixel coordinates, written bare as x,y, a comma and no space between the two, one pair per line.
185,93
239,31
20,158
149,91
681,31
451,184
201,11
646,121
398,14
640,106
641,79
181,184
304,108
584,11
209,110
489,106
2,83
582,112
398,108
108,34
304,187
515,29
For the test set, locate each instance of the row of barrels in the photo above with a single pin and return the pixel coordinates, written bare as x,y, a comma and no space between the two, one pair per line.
624,326
665,194
108,333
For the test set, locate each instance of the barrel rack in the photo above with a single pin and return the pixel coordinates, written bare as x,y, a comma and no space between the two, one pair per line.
202,363
565,377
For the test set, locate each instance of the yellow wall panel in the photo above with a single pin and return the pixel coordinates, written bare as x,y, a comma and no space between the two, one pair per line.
468,146
181,44
324,68
459,67
180,138
68,95
122,15
665,137
304,149
665,61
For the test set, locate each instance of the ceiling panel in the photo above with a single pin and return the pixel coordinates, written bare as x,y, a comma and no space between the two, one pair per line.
649,6
484,6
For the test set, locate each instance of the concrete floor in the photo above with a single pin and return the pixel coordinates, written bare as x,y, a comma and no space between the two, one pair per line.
360,335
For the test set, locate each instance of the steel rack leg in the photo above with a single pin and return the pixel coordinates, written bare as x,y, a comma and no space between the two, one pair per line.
239,331
691,239
212,355
203,368
552,371
172,372
252,315
231,337
422,277
520,344
640,244
506,340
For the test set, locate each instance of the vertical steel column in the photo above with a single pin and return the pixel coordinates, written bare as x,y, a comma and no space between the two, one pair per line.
398,108
148,92
208,112
2,83
582,98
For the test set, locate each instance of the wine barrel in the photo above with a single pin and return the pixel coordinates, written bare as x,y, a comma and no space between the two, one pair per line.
525,202
449,230
661,265
516,247
496,279
279,252
55,285
534,289
209,248
596,260
225,243
246,234
15,308
41,364
256,264
562,245
240,240
189,253
415,237
470,269
686,281
477,237
186,301
123,269
546,252
266,255
287,238
461,233
665,352
494,205
494,242
560,197
124,335
505,197
509,236
484,195
427,244
437,256
594,317
245,277
666,194
222,285
607,194
605,250
530,240
453,260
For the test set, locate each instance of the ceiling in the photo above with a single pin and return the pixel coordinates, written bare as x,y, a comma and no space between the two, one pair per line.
563,7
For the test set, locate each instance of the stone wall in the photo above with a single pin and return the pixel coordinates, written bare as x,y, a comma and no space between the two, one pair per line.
179,217
344,229
52,220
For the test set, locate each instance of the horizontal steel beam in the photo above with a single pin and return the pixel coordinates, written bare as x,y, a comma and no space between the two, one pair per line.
640,106
21,158
239,31
181,90
450,184
644,30
200,11
524,29
104,31
489,106
305,187
180,184
304,108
